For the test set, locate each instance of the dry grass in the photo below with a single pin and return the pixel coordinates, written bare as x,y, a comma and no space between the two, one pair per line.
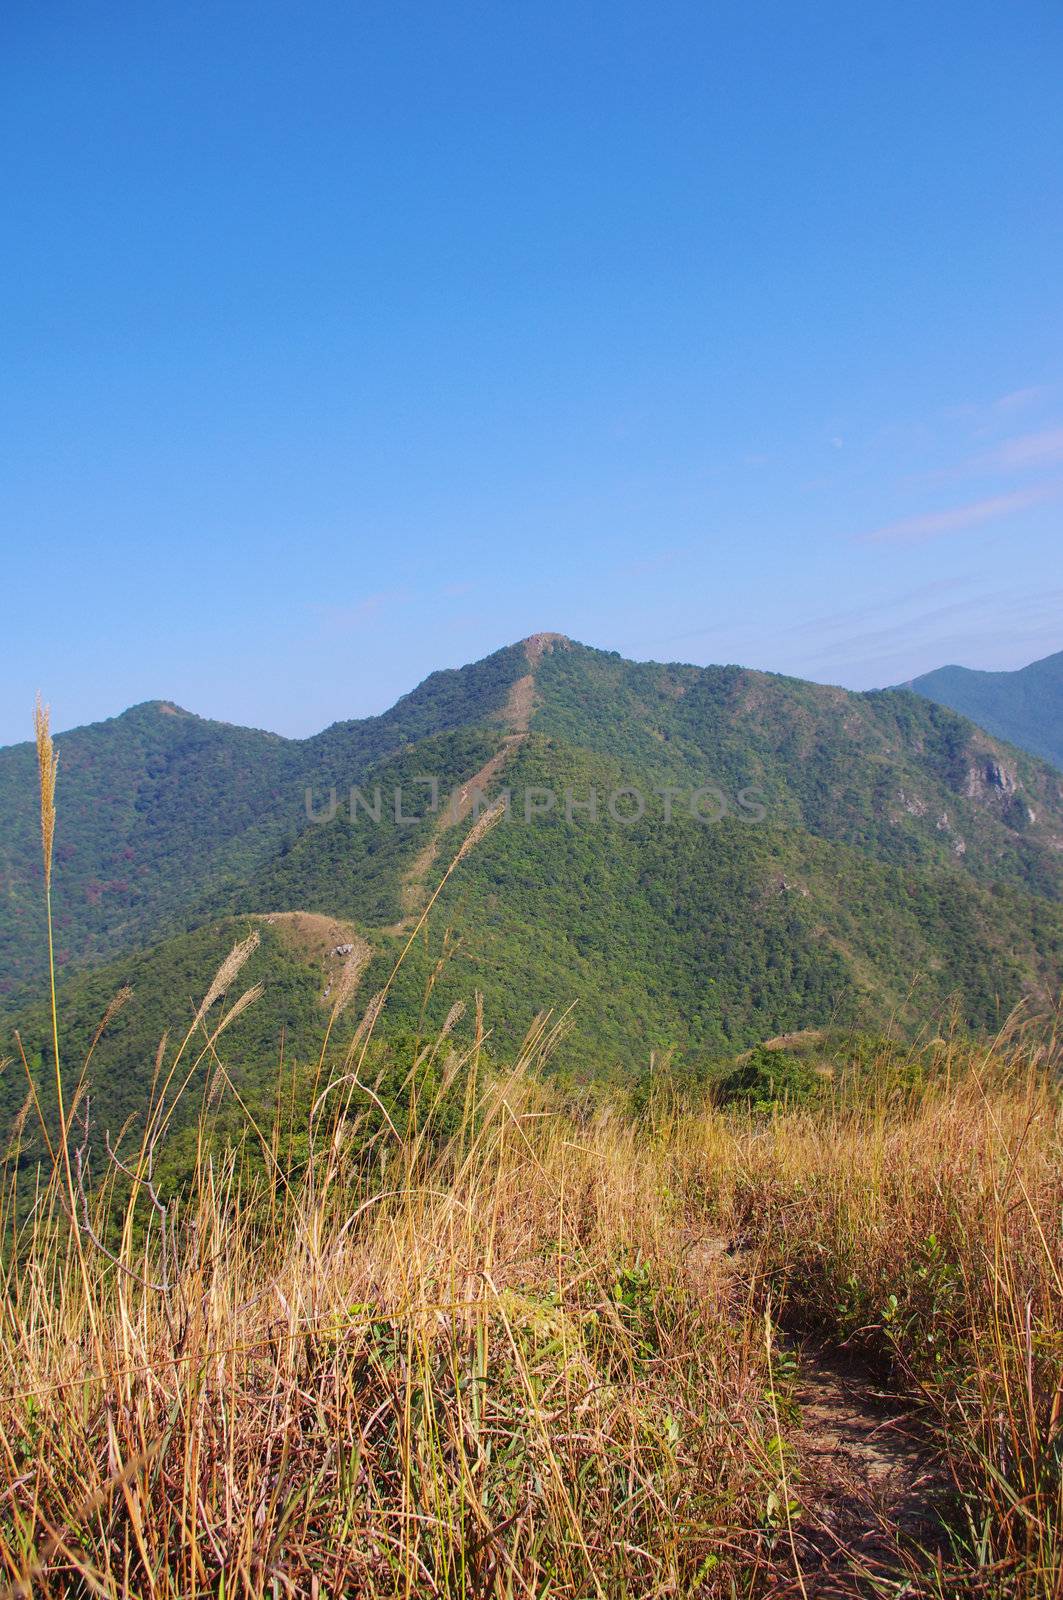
927,1233
517,1361
509,1353
492,1369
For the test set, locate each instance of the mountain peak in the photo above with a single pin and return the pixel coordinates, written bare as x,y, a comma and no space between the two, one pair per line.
154,708
536,645
797,851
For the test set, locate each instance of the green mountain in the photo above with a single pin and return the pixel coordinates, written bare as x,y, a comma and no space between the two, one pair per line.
1024,707
158,807
692,858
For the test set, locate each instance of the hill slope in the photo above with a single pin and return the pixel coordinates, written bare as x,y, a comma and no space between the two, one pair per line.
157,807
697,857
299,961
892,843
1024,707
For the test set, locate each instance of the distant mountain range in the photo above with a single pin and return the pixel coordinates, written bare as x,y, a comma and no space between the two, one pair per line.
695,858
1024,707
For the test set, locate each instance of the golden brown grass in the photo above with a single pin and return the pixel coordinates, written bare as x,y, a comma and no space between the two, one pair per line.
930,1234
495,1368
508,1353
516,1361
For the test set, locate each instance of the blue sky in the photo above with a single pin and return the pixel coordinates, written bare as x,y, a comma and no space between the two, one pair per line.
347,341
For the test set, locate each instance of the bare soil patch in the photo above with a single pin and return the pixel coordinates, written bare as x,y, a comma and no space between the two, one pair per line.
866,1481
869,1483
327,942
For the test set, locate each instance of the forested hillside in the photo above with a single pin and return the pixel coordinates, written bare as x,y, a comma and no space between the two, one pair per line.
693,859
160,809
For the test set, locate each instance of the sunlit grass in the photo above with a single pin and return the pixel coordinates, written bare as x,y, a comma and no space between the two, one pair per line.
519,1348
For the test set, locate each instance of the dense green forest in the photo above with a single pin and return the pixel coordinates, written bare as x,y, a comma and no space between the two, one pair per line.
161,811
853,861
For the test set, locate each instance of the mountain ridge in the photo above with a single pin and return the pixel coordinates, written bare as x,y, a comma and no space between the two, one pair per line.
1024,706
534,645
898,843
156,806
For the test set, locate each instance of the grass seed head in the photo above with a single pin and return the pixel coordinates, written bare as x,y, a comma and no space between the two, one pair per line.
47,765
238,956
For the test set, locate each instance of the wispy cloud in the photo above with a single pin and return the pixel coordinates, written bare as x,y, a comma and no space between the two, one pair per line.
986,626
895,605
987,412
1026,453
1044,449
1018,611
1019,399
936,524
751,638
347,618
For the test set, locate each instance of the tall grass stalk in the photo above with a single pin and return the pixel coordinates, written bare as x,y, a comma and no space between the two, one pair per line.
490,1341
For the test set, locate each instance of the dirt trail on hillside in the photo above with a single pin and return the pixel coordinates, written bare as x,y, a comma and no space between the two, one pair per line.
866,1480
455,808
516,716
868,1487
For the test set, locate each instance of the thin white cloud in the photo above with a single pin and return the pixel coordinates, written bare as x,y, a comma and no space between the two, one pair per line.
936,524
985,412
892,604
813,627
1044,449
1019,399
1026,452
985,614
348,618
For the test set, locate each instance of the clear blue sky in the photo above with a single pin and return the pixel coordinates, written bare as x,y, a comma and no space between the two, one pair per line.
346,341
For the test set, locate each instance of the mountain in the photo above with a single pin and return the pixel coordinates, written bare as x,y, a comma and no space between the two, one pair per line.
692,858
1024,707
158,806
